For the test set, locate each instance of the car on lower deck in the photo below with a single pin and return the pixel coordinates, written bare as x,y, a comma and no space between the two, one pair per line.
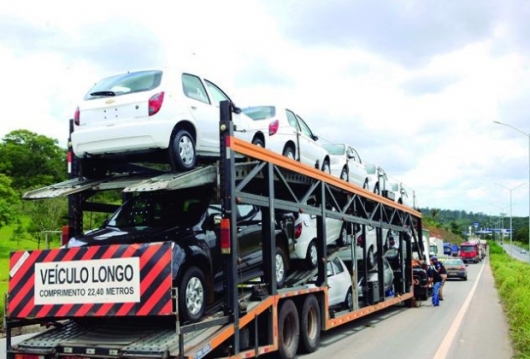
456,268
158,115
289,135
190,219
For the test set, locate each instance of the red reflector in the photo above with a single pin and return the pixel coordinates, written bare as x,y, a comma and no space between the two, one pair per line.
298,230
273,127
29,356
360,241
76,116
65,234
225,236
155,103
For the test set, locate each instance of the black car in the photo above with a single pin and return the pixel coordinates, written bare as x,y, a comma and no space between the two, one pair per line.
190,219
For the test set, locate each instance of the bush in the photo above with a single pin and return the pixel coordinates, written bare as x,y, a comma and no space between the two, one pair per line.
512,279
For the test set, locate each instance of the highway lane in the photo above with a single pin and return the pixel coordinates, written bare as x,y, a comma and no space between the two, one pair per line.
515,252
452,330
468,324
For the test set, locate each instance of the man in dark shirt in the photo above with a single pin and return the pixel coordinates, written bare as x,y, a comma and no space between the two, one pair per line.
436,279
440,268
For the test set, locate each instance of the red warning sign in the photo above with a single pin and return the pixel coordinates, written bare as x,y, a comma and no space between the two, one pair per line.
115,280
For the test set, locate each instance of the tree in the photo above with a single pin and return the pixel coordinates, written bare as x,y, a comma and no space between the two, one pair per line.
31,160
8,201
46,216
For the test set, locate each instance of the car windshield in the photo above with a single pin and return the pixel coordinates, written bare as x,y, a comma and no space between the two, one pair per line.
161,209
260,112
453,262
335,149
125,84
467,248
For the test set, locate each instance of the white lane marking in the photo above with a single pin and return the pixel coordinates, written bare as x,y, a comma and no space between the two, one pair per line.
451,333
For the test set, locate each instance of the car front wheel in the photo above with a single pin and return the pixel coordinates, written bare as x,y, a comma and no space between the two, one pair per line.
325,167
281,267
312,255
344,175
182,151
192,295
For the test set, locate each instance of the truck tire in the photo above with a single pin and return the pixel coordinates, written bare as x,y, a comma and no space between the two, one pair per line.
192,295
288,330
310,325
182,151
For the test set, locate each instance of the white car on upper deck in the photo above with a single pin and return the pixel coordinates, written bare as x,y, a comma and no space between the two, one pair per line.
170,114
347,164
289,135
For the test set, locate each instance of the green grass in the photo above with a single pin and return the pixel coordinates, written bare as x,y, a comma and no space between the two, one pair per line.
9,244
512,279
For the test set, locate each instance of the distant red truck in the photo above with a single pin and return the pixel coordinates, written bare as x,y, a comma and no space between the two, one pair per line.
470,252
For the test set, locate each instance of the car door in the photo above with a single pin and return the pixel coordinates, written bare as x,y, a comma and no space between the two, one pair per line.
356,168
337,281
310,150
249,236
295,136
205,114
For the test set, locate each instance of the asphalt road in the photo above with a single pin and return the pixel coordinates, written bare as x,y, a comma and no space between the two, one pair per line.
515,252
469,323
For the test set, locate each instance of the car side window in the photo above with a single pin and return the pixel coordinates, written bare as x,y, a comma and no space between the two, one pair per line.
194,89
337,267
305,128
329,269
352,154
291,118
217,94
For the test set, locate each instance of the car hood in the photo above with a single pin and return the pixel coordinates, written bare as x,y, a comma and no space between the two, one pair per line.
112,235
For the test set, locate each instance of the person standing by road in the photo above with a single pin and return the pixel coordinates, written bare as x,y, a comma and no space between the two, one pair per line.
436,279
440,268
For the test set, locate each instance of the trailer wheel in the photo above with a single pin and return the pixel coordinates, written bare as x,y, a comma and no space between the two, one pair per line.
192,295
310,328
288,330
311,257
182,151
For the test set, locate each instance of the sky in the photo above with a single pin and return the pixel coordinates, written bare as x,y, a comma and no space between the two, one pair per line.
413,85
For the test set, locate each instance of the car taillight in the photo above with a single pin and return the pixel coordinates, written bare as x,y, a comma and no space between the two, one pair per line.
298,230
76,116
29,356
69,161
155,103
225,236
463,267
273,127
65,234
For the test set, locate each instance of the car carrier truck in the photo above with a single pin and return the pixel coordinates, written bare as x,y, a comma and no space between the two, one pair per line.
120,300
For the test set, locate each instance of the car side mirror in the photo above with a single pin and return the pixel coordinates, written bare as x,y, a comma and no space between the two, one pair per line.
235,109
315,137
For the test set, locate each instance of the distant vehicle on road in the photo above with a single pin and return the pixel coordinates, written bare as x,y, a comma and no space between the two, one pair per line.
456,268
522,251
470,252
